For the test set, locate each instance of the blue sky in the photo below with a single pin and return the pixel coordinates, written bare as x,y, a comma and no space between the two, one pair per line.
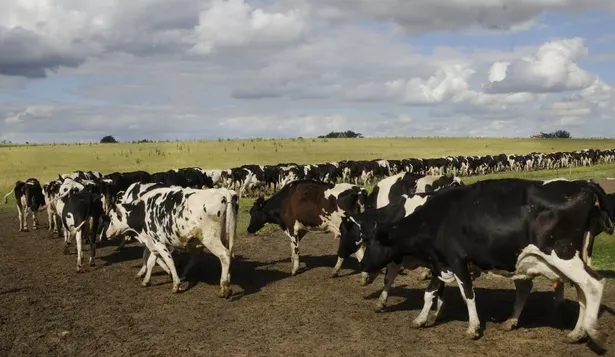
71,71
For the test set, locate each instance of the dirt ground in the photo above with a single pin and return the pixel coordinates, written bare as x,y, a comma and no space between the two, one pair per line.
48,309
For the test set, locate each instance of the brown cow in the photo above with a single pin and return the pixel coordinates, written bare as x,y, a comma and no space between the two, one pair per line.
306,205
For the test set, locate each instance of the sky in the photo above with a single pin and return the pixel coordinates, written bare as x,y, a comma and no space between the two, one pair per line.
77,70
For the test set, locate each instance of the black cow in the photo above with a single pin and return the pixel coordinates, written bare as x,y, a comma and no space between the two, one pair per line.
354,226
29,197
511,227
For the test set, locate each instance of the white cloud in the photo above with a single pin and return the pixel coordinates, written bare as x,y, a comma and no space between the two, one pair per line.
552,69
240,68
233,23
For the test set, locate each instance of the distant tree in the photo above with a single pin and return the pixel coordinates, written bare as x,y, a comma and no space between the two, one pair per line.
108,139
342,134
558,134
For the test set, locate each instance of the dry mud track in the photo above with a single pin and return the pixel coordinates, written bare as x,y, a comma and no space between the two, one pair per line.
48,309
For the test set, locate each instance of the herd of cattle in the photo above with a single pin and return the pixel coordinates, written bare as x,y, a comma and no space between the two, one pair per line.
419,214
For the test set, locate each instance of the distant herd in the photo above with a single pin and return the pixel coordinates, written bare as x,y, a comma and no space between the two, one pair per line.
419,214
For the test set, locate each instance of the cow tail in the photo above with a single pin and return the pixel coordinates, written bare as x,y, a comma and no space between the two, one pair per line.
605,205
232,208
6,197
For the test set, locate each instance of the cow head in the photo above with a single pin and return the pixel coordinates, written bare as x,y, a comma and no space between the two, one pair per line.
118,220
258,216
379,250
351,237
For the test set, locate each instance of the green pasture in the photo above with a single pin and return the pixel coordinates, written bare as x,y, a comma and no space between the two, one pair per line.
45,162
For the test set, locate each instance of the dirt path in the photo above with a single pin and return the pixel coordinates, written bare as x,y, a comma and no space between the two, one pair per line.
47,309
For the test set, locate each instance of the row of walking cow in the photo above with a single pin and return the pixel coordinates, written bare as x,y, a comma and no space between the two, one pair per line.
249,179
514,228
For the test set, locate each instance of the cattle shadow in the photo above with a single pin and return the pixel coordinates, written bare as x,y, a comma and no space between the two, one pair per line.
14,290
125,254
250,276
493,305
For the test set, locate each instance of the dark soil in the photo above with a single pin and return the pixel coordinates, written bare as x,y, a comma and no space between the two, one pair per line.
48,309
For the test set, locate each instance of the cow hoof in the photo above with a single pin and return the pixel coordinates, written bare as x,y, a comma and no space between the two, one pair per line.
92,264
145,284
177,289
79,270
472,334
508,325
364,280
35,228
25,230
417,324
379,307
226,292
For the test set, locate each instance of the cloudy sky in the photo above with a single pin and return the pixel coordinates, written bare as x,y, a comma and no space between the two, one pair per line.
76,70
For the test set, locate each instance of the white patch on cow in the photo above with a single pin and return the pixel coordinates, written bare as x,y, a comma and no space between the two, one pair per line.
447,276
332,222
338,189
422,183
384,187
532,262
554,180
413,203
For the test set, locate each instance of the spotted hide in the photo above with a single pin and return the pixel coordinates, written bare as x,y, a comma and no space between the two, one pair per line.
514,228
174,218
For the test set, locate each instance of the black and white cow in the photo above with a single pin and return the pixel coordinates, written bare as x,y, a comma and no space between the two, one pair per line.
393,187
51,190
176,218
515,228
302,206
354,226
81,215
28,197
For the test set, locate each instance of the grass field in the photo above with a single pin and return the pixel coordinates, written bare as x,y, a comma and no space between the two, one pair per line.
47,161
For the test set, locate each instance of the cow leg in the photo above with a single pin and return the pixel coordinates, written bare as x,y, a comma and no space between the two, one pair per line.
50,220
67,238
294,257
168,259
92,234
35,222
337,267
462,275
78,242
389,277
21,219
365,276
189,266
523,288
149,266
586,280
218,249
146,255
434,290
578,333
558,294
26,215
